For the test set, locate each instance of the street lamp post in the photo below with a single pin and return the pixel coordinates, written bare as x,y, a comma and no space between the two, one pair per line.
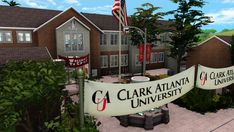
144,60
145,41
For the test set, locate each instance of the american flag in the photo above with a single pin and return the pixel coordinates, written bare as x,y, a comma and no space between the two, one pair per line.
120,12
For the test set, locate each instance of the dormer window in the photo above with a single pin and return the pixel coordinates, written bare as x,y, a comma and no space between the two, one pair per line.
24,37
5,37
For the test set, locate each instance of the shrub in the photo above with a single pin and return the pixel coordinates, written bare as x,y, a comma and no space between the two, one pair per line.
69,120
202,101
199,100
30,94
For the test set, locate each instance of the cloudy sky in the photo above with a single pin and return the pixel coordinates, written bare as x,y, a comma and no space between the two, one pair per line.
222,11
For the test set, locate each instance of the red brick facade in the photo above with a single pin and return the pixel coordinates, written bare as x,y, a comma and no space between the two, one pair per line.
213,53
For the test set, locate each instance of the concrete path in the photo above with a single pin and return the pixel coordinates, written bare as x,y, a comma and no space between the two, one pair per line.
181,120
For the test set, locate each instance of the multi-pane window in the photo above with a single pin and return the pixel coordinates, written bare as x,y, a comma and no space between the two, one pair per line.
124,60
5,37
103,39
114,38
160,57
157,57
114,61
124,40
104,61
73,41
24,37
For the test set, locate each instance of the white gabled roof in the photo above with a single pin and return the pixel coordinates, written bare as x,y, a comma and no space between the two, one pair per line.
210,39
61,14
76,20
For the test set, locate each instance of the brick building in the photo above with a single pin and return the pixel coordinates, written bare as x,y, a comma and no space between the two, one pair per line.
214,52
70,33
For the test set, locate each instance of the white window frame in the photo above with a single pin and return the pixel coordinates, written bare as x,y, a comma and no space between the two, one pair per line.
1,37
24,40
124,60
153,57
104,61
75,42
157,57
4,36
124,40
160,57
113,39
103,39
114,60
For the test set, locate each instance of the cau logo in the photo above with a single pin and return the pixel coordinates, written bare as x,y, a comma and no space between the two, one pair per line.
203,78
100,99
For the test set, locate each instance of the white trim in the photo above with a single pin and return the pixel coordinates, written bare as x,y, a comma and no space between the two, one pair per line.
76,20
24,28
223,41
210,39
50,20
159,55
112,60
61,14
90,22
48,52
103,62
110,31
123,55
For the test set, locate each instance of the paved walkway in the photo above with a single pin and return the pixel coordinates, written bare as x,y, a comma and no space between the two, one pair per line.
181,120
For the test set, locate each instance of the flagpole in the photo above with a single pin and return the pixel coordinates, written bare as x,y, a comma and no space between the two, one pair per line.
120,41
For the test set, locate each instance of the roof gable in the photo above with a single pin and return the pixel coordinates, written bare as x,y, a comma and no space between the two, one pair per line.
74,18
223,39
63,13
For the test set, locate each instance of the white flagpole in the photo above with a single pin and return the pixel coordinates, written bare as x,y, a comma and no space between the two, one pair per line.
120,39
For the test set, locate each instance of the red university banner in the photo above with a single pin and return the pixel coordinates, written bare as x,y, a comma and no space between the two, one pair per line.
148,52
75,62
141,52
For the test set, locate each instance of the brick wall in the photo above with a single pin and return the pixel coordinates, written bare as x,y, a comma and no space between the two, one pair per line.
213,53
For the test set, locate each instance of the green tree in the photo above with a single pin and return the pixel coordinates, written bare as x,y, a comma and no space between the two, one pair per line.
225,30
205,34
145,17
11,3
187,22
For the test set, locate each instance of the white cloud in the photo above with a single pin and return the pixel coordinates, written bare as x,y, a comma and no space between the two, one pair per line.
34,4
52,2
72,2
99,9
224,16
228,1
